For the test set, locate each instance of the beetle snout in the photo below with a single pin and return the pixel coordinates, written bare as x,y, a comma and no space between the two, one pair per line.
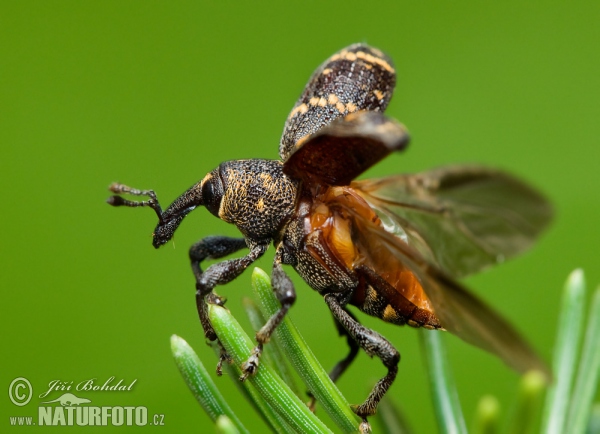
166,228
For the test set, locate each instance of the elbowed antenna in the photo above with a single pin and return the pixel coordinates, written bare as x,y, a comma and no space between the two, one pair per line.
123,189
168,220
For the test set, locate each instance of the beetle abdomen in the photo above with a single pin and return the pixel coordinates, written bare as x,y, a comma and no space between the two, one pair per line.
383,286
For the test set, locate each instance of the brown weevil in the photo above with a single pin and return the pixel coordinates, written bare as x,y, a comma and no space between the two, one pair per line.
392,247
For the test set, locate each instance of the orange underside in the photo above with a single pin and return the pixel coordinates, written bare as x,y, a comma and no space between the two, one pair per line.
337,230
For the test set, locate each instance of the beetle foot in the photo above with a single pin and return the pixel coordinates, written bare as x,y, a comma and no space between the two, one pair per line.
250,366
213,298
364,427
363,411
223,357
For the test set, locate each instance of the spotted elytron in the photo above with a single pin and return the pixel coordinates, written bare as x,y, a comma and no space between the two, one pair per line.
392,247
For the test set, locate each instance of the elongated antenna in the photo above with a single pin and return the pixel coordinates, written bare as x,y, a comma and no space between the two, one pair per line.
152,201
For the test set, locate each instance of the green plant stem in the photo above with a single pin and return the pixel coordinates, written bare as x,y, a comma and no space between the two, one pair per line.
565,354
272,389
199,382
445,398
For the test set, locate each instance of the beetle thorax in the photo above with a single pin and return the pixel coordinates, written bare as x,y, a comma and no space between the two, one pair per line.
257,197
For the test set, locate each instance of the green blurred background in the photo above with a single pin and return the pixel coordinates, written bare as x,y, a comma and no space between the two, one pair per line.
155,94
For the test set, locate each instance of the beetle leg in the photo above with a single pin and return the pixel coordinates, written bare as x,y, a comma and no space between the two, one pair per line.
374,345
218,274
286,294
343,364
213,247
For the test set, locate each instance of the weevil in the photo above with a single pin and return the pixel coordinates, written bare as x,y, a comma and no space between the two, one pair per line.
392,247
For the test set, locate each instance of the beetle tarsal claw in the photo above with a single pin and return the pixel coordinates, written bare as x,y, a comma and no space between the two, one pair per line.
364,427
213,298
250,366
223,357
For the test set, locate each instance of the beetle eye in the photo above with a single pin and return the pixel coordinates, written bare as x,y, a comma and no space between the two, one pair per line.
212,193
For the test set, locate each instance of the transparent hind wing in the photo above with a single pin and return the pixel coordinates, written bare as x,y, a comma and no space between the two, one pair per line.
458,311
461,218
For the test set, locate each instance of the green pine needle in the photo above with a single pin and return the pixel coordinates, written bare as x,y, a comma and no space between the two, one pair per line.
445,398
589,370
271,388
303,359
199,382
225,425
565,354
569,403
272,353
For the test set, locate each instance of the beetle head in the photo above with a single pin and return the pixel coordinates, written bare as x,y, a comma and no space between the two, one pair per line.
255,195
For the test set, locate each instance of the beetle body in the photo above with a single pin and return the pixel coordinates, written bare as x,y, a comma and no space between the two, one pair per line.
391,247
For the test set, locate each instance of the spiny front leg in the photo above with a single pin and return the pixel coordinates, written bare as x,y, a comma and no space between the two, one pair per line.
286,294
374,345
219,274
